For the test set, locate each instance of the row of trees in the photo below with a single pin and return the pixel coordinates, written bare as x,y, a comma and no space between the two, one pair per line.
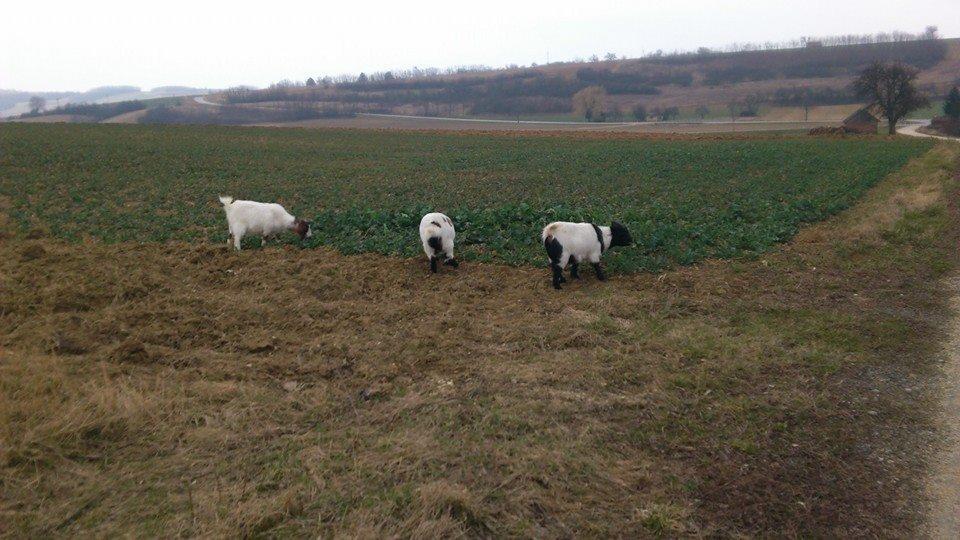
897,37
891,87
515,90
930,33
807,59
593,104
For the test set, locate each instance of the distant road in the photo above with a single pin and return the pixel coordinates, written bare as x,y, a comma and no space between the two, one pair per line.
203,101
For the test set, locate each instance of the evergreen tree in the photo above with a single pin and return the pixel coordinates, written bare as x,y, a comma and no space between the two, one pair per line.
951,107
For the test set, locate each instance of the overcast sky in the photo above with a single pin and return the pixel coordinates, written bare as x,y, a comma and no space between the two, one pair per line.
77,45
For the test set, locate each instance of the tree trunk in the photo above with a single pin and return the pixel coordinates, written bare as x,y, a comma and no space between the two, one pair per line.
893,127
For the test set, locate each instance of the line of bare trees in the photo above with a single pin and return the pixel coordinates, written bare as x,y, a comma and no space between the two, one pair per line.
920,55
930,33
516,90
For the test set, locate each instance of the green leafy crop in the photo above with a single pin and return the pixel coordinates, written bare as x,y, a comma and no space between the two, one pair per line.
683,200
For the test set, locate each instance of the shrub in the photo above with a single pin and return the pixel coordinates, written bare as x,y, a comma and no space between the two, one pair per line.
670,113
947,125
591,103
639,112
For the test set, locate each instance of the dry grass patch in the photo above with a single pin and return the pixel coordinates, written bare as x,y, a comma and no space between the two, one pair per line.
301,392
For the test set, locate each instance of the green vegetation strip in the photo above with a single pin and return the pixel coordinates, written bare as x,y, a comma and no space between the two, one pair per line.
684,200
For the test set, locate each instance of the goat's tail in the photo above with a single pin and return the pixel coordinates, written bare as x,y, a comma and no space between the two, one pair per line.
554,249
226,200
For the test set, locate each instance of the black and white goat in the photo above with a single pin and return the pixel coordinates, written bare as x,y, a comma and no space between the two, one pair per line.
437,234
574,243
263,219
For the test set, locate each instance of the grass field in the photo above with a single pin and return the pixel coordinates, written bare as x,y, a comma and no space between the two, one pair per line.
683,200
183,389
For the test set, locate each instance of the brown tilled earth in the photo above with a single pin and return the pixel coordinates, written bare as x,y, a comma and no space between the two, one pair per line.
131,117
442,124
176,389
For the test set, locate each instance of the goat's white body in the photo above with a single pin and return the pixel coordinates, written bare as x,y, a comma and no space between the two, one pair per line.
256,218
579,240
440,226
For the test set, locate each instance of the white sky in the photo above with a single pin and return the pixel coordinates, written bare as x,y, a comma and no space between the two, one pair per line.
75,45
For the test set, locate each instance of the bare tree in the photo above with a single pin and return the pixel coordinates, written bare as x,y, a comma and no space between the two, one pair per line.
609,57
892,87
670,113
639,112
702,111
751,105
734,108
37,104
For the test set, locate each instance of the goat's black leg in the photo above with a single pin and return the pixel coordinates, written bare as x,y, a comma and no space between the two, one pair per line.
599,270
433,264
557,276
451,262
574,268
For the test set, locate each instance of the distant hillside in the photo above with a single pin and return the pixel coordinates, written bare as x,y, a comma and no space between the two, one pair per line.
10,98
15,102
816,74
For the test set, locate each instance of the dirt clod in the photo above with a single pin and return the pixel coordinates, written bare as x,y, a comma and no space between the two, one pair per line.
32,252
66,345
374,391
131,351
258,346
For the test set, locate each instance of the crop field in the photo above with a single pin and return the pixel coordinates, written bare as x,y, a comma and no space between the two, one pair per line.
684,200
155,382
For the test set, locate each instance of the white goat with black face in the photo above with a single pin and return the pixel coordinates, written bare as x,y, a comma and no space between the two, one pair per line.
437,234
262,219
574,243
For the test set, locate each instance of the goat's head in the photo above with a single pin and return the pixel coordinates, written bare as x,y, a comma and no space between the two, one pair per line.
302,228
619,234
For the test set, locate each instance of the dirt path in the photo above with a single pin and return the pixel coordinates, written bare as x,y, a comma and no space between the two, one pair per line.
943,485
943,482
